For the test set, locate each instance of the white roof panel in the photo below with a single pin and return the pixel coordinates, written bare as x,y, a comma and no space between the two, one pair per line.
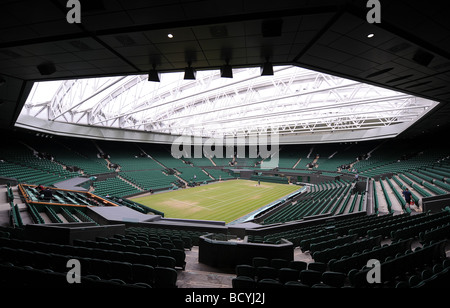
292,102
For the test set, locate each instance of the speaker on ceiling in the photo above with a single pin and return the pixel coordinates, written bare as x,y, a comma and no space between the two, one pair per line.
271,27
226,71
267,69
189,73
423,57
46,68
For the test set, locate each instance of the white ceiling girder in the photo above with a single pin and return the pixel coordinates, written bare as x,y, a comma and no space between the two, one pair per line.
249,103
293,101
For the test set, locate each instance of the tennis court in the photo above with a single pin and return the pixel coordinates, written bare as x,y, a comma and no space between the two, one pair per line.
222,201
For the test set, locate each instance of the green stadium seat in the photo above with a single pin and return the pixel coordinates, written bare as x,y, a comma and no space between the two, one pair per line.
143,273
298,265
310,277
279,263
243,282
100,268
295,285
286,274
166,261
260,261
165,277
245,270
334,279
148,259
180,257
147,250
268,283
121,270
263,272
160,251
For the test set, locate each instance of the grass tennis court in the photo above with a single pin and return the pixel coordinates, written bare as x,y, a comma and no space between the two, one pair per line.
223,201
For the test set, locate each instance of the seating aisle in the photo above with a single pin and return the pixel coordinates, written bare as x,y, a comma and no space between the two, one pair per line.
198,275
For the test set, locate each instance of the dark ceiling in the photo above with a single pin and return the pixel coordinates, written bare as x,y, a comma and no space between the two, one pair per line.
410,50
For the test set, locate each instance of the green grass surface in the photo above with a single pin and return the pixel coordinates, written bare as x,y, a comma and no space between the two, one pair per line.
224,201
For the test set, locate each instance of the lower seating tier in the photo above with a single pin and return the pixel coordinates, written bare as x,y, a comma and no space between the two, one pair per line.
127,266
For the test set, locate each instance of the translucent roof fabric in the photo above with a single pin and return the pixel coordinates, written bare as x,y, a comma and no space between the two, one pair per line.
293,101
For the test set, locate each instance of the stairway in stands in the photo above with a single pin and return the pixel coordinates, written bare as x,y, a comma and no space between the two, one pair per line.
5,206
198,275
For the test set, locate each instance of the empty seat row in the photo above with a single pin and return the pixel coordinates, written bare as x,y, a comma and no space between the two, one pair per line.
436,233
346,249
330,243
277,263
283,271
161,254
402,265
357,260
412,231
105,269
152,241
191,236
342,227
365,229
437,277
291,278
141,276
408,221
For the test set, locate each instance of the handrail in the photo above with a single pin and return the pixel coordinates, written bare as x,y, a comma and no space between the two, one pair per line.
28,199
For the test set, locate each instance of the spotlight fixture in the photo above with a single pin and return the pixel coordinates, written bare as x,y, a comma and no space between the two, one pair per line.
154,75
267,69
226,71
189,72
